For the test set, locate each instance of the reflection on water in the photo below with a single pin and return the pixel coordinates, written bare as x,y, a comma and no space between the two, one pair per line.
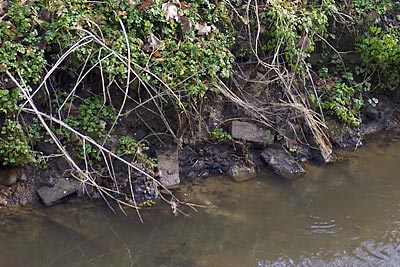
343,214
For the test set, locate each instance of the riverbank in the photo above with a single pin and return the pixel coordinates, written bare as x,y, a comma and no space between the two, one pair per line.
239,159
347,213
123,101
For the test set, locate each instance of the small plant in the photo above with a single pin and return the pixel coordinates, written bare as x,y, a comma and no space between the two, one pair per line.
14,148
89,152
267,133
342,102
373,101
220,135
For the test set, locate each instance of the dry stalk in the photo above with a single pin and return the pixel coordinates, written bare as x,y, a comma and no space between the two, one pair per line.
294,98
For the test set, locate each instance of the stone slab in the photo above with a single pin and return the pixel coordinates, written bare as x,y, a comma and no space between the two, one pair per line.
282,163
251,132
9,176
240,172
58,193
168,165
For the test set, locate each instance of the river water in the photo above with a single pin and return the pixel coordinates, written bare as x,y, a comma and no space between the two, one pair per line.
342,214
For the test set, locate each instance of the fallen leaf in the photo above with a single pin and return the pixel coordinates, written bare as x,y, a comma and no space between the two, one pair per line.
170,10
154,41
123,13
3,67
330,84
146,4
203,28
132,3
3,7
156,54
185,23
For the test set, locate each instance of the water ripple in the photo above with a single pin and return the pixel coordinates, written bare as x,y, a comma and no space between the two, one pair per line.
321,226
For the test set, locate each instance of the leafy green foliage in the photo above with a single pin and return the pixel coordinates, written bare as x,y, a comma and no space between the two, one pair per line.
9,99
372,8
340,96
342,102
220,135
166,51
128,146
380,54
93,116
293,29
187,51
14,148
19,36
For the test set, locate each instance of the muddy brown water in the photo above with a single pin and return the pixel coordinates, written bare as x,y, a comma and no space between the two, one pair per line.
343,214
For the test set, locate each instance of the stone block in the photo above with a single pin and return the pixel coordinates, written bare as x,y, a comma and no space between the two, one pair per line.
168,165
240,172
63,190
282,163
252,133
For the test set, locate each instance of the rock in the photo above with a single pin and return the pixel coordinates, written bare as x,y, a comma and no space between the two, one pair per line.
302,153
62,164
9,176
258,87
343,136
371,113
282,163
251,132
168,165
215,116
62,191
23,194
370,128
240,172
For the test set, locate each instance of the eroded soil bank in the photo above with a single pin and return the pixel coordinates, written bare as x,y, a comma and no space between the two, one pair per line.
250,149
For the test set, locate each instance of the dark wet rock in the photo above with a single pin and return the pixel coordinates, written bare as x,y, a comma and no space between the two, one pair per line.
385,116
63,190
198,165
62,164
215,116
205,159
144,190
251,132
46,147
241,172
372,127
9,176
23,194
343,136
168,165
302,153
322,156
371,113
282,163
